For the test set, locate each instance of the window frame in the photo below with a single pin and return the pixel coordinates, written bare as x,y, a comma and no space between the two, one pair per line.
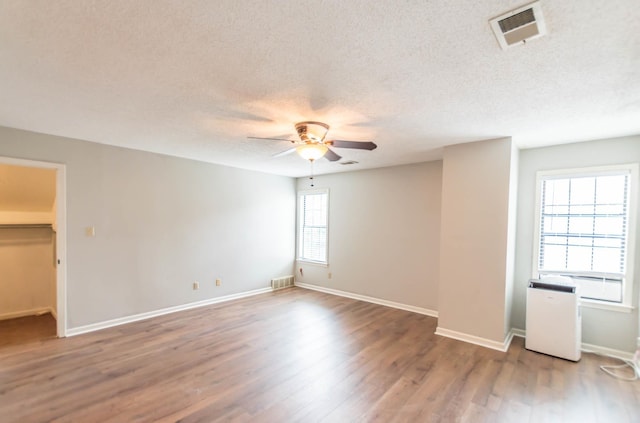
300,227
591,171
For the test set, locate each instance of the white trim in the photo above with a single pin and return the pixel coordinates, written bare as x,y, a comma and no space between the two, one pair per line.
609,352
23,313
638,342
300,262
61,234
590,348
312,263
366,298
520,333
472,339
149,314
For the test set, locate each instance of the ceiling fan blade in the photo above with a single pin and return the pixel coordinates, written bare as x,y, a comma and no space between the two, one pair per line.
285,152
360,145
331,155
271,139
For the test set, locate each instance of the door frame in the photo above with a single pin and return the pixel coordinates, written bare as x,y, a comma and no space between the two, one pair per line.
61,234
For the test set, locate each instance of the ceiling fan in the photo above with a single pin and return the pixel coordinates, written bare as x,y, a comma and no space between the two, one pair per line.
312,144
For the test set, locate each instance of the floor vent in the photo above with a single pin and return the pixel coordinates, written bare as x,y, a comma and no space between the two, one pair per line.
519,25
283,282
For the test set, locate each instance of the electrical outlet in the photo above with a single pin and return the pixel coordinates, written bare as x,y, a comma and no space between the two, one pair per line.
196,285
218,282
329,275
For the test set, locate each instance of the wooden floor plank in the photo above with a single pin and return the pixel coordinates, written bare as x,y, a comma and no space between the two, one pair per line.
297,355
26,330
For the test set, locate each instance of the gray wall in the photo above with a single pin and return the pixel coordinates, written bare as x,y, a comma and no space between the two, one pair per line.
612,329
384,229
474,238
161,224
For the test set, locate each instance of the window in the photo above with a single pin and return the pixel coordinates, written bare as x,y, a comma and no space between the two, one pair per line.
586,229
313,214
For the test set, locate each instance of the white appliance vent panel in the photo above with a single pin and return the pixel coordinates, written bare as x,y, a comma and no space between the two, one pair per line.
519,25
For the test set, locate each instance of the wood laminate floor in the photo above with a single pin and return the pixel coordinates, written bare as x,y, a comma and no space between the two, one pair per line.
299,356
27,329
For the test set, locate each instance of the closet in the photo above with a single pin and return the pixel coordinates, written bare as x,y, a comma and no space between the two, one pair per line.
27,250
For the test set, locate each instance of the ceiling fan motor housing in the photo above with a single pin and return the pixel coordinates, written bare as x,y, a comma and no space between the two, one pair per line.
311,131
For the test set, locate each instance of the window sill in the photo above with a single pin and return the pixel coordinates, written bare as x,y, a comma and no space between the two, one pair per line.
315,263
601,305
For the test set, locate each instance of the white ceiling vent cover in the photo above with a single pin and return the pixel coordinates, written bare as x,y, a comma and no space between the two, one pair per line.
519,25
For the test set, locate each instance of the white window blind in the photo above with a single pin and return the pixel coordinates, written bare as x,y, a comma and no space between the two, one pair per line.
313,229
584,229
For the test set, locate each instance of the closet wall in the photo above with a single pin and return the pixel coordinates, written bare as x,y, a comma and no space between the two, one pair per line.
27,271
27,241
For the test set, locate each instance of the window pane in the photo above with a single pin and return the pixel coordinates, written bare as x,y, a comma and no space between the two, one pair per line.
313,229
610,208
314,246
583,230
607,260
577,241
581,225
555,240
557,191
579,258
608,243
582,191
611,189
609,225
554,224
554,257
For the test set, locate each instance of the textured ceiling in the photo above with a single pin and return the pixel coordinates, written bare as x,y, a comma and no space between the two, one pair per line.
195,78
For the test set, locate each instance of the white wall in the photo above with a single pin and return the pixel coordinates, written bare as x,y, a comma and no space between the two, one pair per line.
27,271
611,329
384,227
474,239
161,223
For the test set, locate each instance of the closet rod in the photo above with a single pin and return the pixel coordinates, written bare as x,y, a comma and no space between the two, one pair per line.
24,225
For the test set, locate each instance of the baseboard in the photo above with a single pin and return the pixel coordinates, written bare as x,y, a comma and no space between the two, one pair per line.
472,339
590,348
143,316
392,304
520,333
609,352
24,313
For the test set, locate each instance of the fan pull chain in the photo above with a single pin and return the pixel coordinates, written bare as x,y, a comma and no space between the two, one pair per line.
311,177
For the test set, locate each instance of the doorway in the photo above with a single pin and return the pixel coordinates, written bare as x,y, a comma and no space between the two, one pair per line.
34,229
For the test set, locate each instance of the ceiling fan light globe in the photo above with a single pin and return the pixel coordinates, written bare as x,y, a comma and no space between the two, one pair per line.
312,151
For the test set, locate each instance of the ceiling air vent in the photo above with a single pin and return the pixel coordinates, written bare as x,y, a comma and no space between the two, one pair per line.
519,25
